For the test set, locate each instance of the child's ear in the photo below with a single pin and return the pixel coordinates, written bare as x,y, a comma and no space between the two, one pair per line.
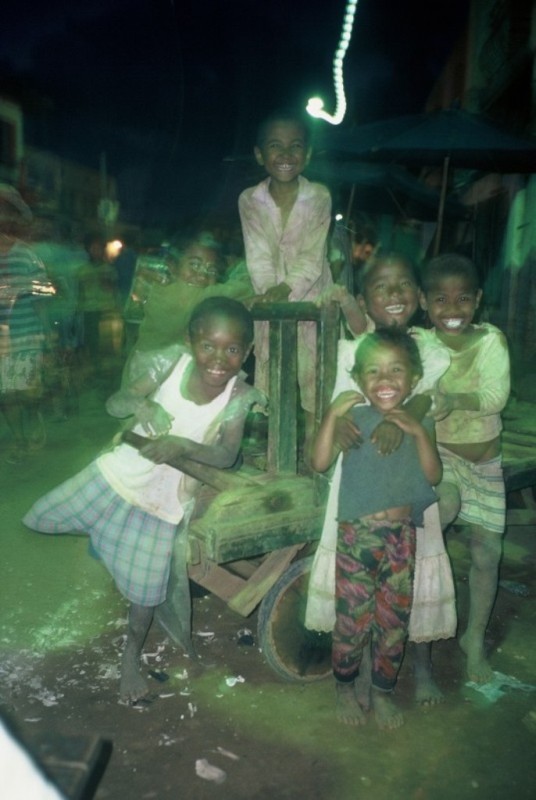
422,300
308,155
361,303
258,156
478,298
247,352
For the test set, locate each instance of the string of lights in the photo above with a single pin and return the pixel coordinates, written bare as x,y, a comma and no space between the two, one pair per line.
315,105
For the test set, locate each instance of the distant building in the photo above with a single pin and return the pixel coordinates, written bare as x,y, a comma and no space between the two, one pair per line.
52,185
492,71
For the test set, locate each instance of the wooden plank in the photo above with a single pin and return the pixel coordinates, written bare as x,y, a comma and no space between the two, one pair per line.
216,579
282,423
262,580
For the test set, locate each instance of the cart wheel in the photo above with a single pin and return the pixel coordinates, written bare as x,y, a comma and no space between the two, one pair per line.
295,653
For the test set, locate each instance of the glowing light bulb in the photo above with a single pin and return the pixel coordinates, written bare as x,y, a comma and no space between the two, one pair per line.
315,106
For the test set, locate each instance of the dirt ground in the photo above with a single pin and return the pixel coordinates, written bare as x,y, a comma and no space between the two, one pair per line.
63,625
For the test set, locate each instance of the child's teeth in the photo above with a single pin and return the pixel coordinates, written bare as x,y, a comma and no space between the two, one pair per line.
453,323
394,309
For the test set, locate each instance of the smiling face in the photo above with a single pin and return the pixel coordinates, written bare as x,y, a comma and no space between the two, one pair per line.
451,303
390,294
385,375
283,151
219,350
198,266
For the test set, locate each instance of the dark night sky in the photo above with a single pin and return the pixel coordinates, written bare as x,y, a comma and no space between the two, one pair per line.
167,88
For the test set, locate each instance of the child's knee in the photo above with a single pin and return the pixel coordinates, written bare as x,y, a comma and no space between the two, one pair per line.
449,503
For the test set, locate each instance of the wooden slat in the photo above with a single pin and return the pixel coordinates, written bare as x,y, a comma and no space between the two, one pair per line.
262,580
282,423
216,579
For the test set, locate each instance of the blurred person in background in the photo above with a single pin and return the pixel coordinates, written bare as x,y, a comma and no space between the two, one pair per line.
24,328
99,304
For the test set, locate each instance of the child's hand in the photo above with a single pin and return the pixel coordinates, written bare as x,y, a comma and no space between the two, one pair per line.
276,294
154,420
165,449
404,421
344,402
347,435
387,436
333,294
442,406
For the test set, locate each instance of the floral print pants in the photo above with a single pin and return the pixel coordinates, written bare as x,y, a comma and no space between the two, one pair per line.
374,588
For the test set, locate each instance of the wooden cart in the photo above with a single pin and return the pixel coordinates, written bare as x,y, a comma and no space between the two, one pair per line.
253,528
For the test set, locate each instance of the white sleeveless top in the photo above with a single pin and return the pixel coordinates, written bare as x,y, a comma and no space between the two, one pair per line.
154,487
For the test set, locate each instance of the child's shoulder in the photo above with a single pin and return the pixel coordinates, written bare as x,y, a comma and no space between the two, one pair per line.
256,192
310,189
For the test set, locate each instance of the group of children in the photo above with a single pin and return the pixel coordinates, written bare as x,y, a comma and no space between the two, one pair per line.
398,389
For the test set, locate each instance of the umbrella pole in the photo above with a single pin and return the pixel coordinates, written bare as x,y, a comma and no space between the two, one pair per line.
442,198
350,203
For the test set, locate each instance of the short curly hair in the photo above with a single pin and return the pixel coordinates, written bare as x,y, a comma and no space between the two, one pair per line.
222,307
392,337
449,265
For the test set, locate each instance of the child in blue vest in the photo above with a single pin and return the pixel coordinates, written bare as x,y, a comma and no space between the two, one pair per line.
382,498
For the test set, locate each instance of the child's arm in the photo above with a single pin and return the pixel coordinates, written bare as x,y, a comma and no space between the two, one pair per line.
388,436
143,374
352,310
259,256
426,449
490,382
222,454
325,449
310,262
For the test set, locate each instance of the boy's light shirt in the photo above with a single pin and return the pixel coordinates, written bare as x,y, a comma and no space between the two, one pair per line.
295,254
482,369
435,357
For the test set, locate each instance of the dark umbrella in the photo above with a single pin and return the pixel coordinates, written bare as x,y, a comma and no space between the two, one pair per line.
469,140
386,184
449,137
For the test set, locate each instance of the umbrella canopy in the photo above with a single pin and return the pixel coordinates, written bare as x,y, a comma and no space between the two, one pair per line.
468,140
386,186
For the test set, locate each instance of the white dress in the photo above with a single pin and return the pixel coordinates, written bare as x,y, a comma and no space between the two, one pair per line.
433,614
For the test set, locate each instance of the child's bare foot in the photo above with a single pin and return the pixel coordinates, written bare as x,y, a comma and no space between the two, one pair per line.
349,709
427,692
478,669
133,686
388,716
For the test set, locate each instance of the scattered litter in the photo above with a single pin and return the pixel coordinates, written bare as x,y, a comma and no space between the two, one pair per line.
245,636
109,672
182,676
165,740
161,677
156,655
228,754
33,719
514,587
118,623
165,696
208,771
192,709
233,680
185,692
496,688
47,697
208,636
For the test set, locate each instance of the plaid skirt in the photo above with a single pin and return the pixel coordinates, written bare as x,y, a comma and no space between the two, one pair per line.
135,546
